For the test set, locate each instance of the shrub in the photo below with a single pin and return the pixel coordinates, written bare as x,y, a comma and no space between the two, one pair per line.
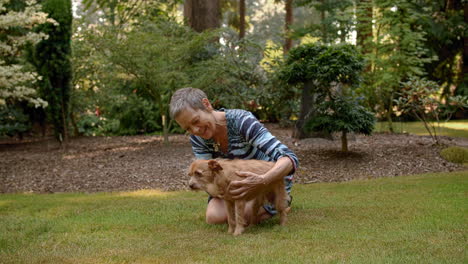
419,97
13,121
455,154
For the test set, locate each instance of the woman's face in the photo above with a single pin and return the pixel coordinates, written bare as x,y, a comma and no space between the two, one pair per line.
197,122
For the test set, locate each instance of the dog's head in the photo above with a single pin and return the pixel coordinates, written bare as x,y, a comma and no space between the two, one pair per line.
202,174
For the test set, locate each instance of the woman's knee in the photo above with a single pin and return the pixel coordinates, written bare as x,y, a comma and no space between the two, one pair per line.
216,212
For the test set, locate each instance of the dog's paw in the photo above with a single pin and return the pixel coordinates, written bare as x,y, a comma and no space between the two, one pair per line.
230,229
239,230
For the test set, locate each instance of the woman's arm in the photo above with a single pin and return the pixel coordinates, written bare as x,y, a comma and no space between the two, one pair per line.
258,136
254,183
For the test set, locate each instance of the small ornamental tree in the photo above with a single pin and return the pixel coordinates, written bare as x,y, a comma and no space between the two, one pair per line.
17,81
420,98
328,74
345,115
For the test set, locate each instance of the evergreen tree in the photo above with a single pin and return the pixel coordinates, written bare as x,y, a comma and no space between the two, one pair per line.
398,52
52,60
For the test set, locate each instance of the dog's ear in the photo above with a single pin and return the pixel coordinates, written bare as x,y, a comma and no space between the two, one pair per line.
214,165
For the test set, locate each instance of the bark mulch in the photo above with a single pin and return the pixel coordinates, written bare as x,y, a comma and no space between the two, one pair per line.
95,164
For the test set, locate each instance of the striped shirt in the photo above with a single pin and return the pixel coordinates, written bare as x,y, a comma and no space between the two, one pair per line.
247,139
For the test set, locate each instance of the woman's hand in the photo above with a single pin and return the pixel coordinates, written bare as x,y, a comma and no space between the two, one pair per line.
248,187
254,183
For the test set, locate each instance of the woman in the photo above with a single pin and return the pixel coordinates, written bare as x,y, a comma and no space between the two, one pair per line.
232,133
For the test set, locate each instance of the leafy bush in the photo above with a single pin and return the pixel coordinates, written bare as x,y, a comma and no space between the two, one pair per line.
13,121
342,114
420,98
323,64
455,154
90,125
135,115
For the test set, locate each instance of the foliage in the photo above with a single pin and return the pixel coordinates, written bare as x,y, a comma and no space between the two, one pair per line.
398,52
123,13
232,76
419,97
330,71
455,154
446,30
323,65
149,60
13,121
51,57
343,114
16,32
134,115
279,101
336,21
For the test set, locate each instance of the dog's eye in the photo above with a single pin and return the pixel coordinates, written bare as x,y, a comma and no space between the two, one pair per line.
198,173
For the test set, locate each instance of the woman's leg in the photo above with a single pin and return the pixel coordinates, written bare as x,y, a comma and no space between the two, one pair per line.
216,212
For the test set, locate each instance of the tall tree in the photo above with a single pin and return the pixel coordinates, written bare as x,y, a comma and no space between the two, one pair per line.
202,14
123,12
52,60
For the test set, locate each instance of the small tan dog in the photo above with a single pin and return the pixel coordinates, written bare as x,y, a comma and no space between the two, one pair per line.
214,177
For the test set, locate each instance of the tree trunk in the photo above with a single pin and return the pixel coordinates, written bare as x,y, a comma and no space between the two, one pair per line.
64,117
288,22
464,82
306,109
165,129
188,12
364,28
389,114
241,19
364,24
344,141
324,28
202,14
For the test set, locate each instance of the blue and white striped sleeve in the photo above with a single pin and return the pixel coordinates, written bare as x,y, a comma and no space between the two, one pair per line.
257,135
200,149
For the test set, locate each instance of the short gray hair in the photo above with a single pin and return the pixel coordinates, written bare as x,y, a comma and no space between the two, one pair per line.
184,98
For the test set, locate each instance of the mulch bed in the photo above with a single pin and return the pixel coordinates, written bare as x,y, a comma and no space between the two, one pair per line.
95,164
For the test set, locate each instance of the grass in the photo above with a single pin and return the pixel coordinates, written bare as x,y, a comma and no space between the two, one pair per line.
413,219
457,128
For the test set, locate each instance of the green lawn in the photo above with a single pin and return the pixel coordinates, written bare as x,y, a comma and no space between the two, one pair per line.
413,219
457,128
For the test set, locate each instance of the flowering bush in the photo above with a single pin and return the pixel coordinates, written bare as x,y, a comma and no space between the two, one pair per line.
420,98
16,83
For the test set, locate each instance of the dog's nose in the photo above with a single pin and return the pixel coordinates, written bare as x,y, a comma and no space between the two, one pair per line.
192,186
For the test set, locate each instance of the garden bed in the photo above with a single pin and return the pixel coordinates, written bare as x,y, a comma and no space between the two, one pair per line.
94,164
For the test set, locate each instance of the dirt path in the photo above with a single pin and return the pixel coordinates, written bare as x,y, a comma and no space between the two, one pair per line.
142,162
